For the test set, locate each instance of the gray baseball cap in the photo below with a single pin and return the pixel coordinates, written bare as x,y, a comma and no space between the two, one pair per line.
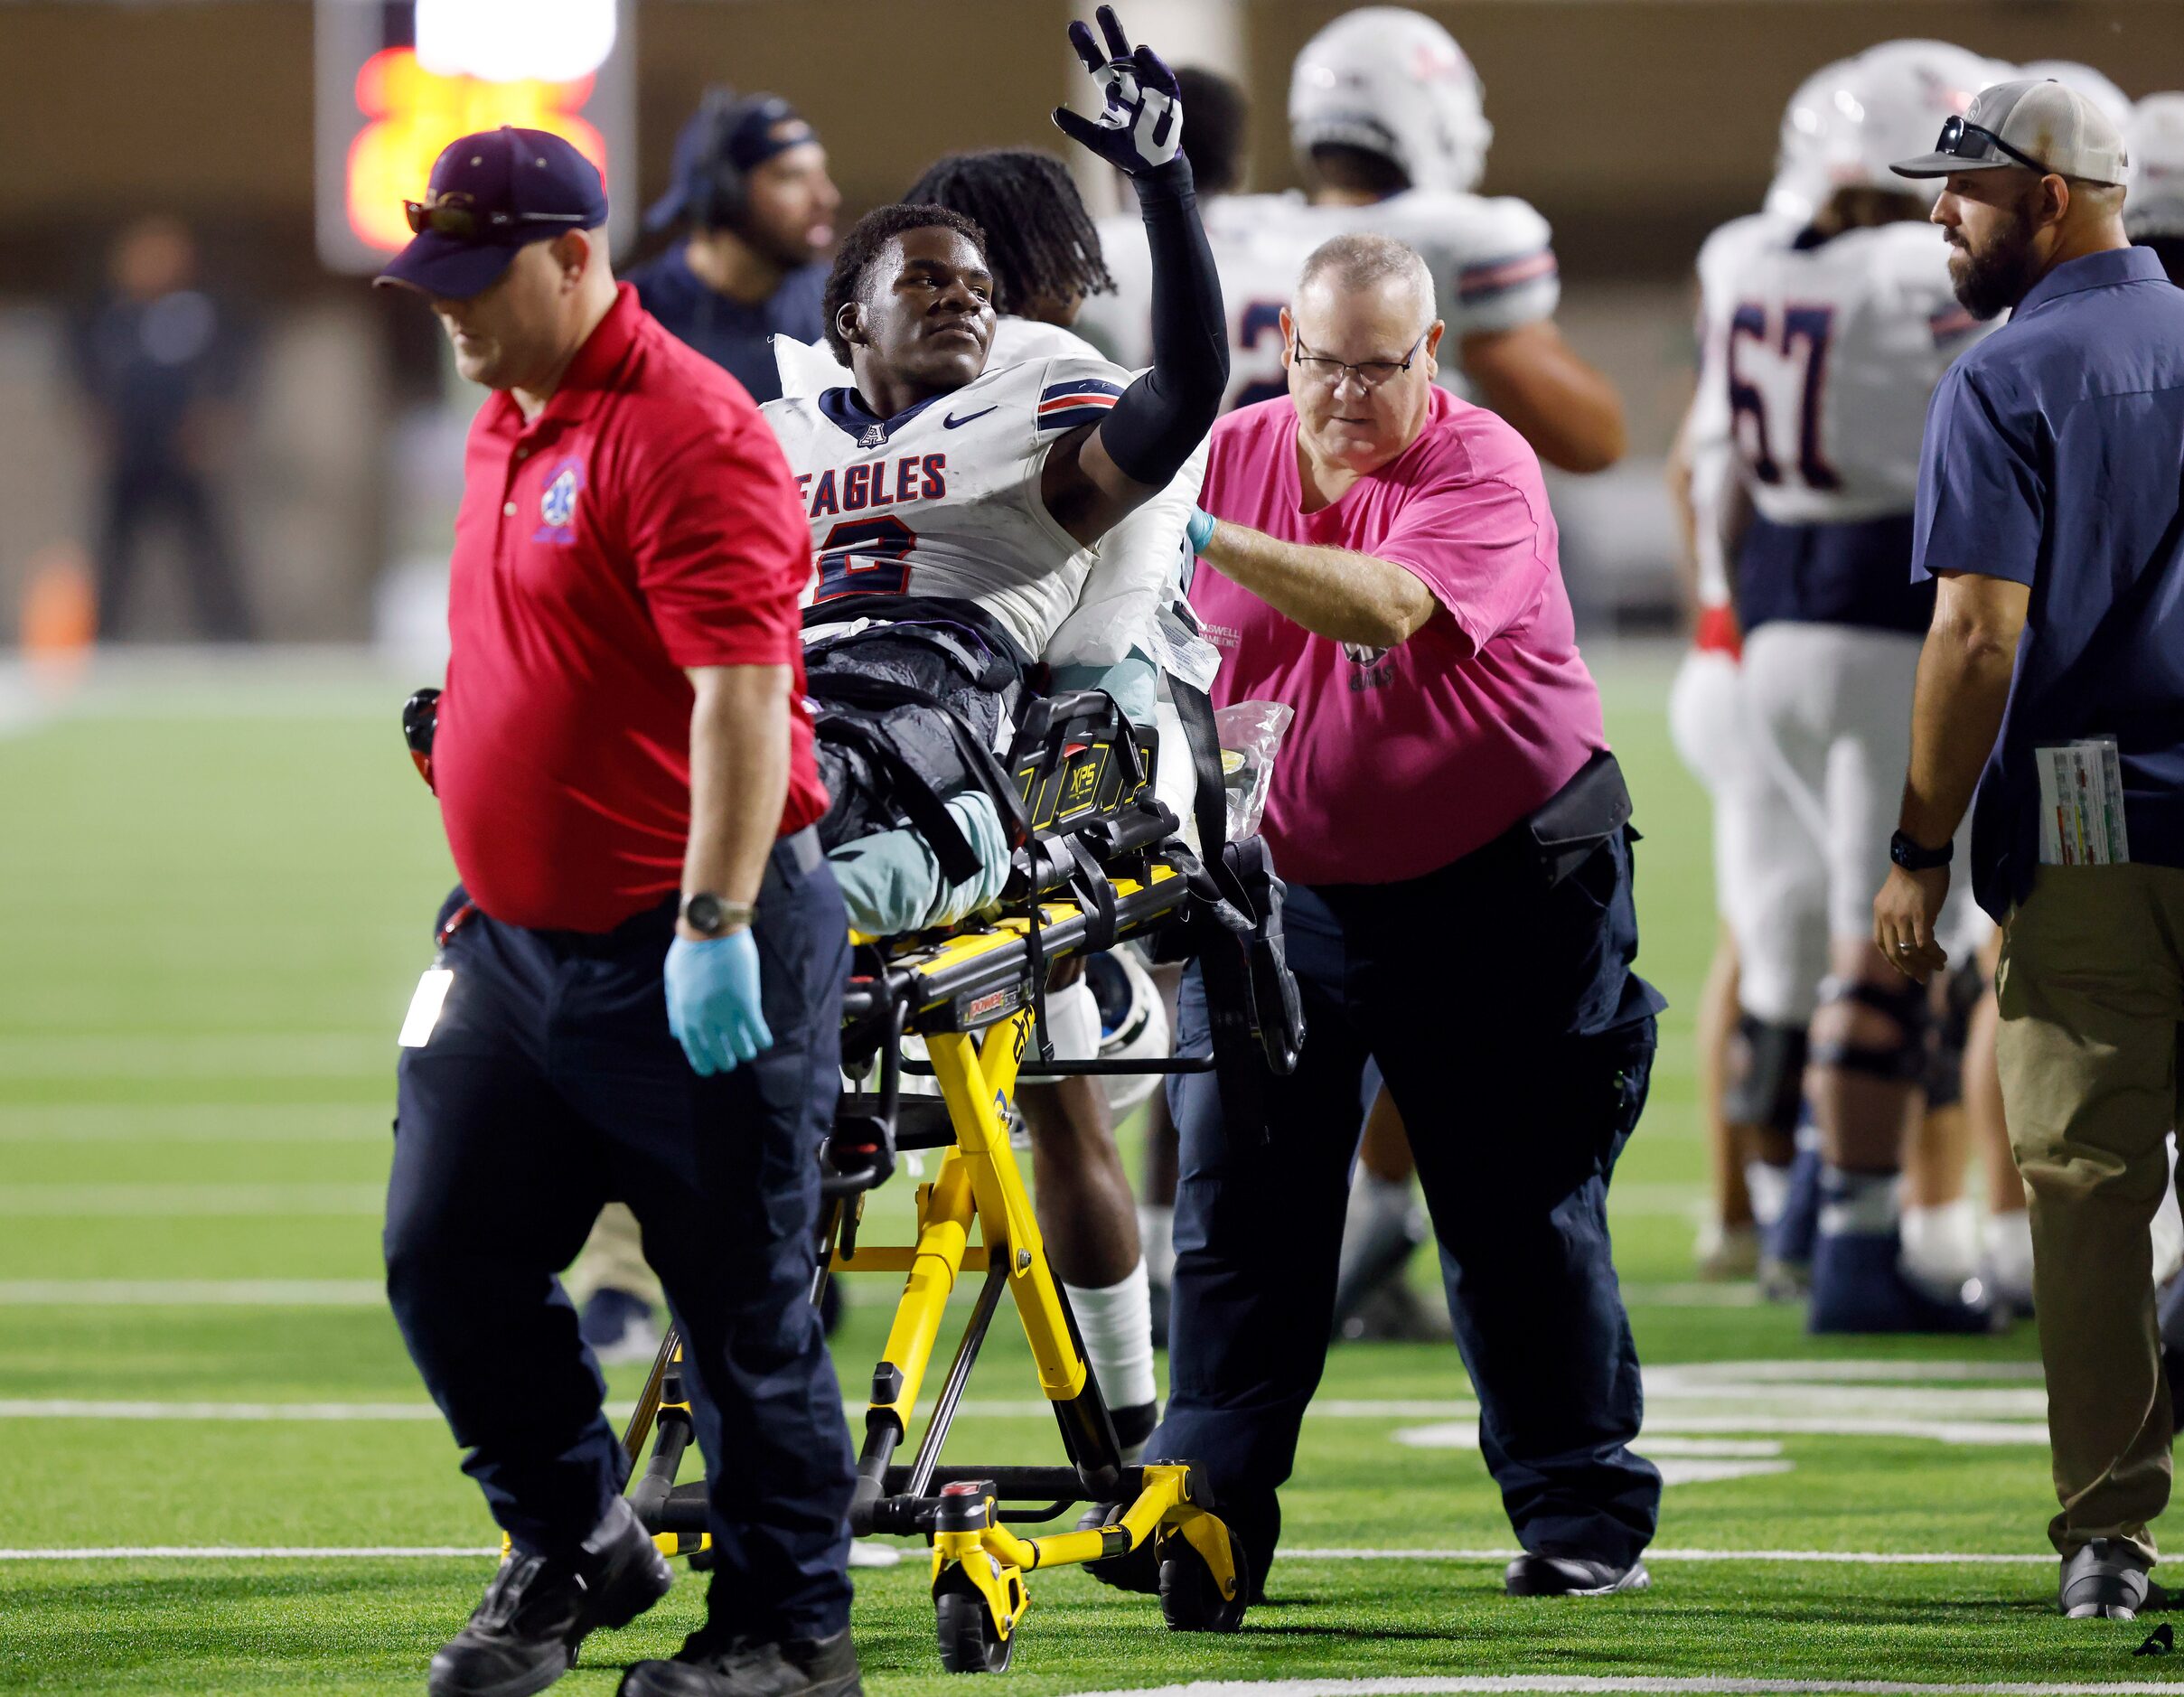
2041,127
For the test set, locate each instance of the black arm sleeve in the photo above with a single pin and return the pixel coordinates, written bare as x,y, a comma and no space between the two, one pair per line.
1166,413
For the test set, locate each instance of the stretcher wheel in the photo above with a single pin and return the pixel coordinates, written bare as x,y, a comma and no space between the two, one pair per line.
1190,1597
970,1641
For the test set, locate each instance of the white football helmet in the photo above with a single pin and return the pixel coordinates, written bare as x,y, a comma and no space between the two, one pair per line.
2154,139
2085,80
1133,1023
1801,178
1394,83
1889,104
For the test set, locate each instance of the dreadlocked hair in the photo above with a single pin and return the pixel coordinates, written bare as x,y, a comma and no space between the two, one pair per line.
1046,247
867,240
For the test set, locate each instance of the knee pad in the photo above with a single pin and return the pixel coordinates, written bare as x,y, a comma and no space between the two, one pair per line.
1945,1052
1902,1061
1770,1087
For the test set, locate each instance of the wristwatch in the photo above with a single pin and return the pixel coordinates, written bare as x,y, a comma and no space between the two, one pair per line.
706,915
1914,856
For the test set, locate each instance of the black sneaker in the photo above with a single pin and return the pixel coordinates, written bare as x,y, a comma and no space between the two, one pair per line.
524,1636
1572,1576
2106,1580
706,1667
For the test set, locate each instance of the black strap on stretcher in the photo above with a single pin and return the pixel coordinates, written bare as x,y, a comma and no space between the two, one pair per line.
1252,1006
918,798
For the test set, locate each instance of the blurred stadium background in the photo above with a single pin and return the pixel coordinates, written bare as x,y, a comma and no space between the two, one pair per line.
278,132
216,869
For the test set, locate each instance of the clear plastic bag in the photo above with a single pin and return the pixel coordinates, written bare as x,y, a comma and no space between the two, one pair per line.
1251,736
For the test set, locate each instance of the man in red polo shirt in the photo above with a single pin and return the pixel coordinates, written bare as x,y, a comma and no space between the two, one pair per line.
639,987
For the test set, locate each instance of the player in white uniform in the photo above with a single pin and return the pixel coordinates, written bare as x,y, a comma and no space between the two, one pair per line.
960,507
1748,1075
1385,115
2154,207
1829,344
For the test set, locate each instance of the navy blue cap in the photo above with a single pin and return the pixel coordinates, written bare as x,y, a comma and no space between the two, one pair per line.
517,186
743,130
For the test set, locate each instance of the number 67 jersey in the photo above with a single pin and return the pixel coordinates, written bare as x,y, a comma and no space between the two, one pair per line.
1820,357
943,499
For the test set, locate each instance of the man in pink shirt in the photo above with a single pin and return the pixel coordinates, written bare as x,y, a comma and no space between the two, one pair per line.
1455,836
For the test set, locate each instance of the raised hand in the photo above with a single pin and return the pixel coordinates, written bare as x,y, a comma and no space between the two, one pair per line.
1140,124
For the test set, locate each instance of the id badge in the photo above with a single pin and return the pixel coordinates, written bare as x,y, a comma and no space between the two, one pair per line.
2081,787
425,1006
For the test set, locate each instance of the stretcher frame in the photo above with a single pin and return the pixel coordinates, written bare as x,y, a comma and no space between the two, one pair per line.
971,996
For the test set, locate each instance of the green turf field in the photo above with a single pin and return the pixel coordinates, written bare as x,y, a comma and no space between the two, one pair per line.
213,897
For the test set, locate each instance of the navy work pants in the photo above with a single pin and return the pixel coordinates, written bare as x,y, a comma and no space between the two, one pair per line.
1504,1018
551,1086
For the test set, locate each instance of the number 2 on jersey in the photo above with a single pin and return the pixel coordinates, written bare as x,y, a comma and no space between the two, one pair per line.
865,556
1801,385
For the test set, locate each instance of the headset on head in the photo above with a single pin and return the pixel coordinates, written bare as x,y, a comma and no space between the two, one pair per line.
716,197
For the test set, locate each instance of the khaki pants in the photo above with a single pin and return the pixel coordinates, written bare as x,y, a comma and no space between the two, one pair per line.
2092,990
614,1257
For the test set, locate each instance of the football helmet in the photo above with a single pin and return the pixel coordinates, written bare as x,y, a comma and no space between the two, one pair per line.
2154,140
1889,104
2085,80
1393,83
1133,1023
1801,178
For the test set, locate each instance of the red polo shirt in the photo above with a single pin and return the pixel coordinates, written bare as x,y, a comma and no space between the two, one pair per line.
642,522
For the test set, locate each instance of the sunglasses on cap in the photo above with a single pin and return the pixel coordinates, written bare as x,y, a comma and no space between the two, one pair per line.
1969,142
455,215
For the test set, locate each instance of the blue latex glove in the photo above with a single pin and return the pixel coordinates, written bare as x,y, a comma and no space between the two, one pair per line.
1141,123
1199,528
713,1006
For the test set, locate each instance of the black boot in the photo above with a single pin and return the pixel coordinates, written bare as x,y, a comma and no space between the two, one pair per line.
707,1666
524,1634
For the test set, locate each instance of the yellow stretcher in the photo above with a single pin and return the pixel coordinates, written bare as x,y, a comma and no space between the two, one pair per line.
970,995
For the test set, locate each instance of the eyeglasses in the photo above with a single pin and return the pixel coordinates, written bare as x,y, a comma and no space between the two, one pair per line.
1956,134
1370,373
456,214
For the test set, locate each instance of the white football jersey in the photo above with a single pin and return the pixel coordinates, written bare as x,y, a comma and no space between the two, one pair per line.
1492,259
1710,434
1823,355
943,499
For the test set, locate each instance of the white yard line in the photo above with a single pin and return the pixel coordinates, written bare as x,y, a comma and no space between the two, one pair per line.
195,1122
1828,1558
1846,1558
1822,1371
261,1552
1430,1687
194,1201
192,1293
89,1408
201,1054
1693,1295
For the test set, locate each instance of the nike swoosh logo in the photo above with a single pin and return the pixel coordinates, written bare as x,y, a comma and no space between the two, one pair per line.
950,422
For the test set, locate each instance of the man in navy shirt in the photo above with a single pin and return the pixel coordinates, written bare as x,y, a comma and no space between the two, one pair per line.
751,186
2051,511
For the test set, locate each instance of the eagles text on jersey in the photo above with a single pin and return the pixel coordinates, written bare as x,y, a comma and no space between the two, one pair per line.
944,499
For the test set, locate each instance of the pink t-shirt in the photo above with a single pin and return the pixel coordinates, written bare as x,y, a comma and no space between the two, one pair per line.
1401,760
